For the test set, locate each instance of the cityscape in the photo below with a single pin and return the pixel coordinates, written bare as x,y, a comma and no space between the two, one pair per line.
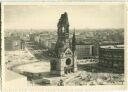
64,56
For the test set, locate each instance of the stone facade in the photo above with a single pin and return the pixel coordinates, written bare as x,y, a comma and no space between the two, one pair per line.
65,59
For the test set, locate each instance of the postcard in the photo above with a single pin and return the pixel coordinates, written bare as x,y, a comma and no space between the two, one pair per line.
59,46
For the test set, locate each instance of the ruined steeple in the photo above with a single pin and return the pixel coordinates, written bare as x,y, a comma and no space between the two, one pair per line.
65,61
63,26
63,33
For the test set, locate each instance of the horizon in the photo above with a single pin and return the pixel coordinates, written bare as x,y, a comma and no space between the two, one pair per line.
92,29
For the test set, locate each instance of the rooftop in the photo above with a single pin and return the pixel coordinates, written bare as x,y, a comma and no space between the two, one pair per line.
113,46
12,38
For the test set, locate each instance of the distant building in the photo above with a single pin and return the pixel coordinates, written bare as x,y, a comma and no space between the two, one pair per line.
22,44
79,38
84,51
43,40
31,37
112,57
37,39
13,43
47,42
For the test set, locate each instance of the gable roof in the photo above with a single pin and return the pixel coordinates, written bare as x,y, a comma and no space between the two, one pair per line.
68,49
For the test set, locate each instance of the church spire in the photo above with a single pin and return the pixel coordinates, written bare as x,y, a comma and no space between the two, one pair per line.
73,42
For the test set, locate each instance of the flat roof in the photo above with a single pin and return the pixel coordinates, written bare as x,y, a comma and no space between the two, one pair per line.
113,46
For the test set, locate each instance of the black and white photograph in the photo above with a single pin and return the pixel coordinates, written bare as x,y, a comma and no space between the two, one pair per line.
64,45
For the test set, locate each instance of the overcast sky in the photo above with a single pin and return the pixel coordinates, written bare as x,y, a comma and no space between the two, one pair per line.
46,17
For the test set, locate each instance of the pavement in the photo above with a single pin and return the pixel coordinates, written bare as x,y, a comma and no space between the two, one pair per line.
36,67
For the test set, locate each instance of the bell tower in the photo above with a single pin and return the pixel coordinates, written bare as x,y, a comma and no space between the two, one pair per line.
64,60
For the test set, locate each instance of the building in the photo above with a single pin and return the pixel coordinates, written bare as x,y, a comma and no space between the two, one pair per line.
111,57
84,51
13,43
47,43
64,60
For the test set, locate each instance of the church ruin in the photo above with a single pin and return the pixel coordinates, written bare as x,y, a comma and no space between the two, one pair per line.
65,59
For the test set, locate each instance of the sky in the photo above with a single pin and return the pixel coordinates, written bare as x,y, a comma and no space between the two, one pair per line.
47,16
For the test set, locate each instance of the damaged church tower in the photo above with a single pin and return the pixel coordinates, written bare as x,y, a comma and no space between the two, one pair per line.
65,59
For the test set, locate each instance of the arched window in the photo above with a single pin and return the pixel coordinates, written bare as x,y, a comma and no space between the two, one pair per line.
68,61
62,29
